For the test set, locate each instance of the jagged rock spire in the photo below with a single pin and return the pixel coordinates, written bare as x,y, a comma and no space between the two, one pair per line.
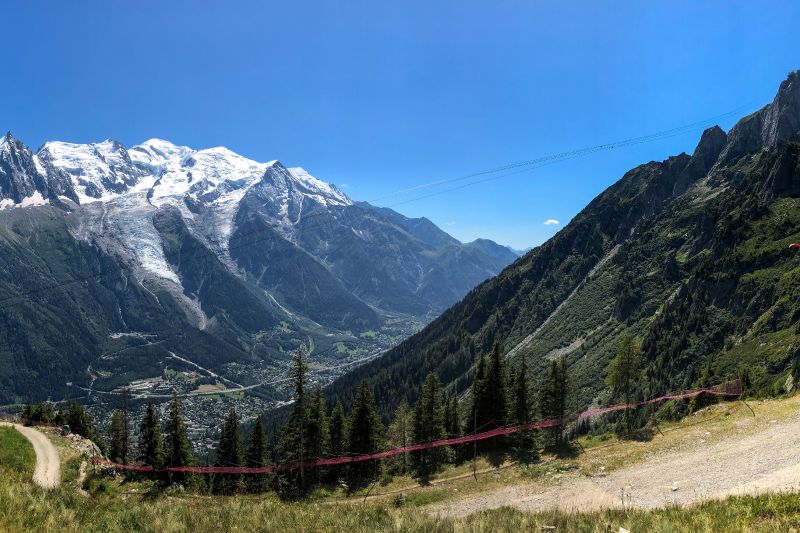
774,123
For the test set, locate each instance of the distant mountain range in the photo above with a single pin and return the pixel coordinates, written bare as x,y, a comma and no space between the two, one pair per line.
121,264
690,254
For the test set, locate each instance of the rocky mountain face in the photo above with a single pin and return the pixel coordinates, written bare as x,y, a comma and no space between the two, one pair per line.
690,254
190,260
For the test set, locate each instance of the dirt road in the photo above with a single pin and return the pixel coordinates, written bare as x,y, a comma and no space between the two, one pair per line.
764,457
47,473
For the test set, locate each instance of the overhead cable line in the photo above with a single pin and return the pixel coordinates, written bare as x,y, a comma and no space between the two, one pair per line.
571,154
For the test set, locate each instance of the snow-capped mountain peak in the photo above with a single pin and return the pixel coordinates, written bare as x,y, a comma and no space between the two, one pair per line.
323,191
98,171
156,152
221,164
170,173
207,176
22,180
207,186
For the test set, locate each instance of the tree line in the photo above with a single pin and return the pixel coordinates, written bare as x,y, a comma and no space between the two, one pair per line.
73,418
312,429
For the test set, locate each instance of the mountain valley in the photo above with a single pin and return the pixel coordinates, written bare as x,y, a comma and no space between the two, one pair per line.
160,267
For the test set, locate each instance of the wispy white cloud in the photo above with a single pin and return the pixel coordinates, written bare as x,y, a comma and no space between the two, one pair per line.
551,222
451,223
344,185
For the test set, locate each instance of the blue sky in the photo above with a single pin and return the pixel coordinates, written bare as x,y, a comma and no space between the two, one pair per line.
379,96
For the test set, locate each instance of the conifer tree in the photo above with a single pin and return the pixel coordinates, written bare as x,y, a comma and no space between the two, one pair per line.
317,433
706,379
453,423
256,457
477,397
447,416
400,434
151,445
554,397
43,412
293,447
521,406
229,453
118,451
428,427
120,432
337,438
337,429
80,423
495,388
364,430
489,400
178,452
625,373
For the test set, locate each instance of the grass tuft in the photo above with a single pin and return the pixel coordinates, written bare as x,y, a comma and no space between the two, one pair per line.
16,453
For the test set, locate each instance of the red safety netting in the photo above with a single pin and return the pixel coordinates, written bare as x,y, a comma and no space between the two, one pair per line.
730,388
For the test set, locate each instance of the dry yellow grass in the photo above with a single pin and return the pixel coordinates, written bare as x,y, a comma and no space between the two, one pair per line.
115,507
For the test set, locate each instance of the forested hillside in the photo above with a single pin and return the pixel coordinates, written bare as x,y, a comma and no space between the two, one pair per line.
690,254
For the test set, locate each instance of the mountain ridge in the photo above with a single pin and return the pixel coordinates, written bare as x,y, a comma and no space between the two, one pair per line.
666,222
263,257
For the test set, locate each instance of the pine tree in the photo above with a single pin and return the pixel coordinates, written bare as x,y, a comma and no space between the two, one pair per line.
125,443
337,437
706,379
554,398
521,407
489,401
80,423
293,447
337,429
478,397
364,429
229,453
42,412
177,448
453,424
120,432
495,388
151,446
625,373
400,434
117,450
428,427
448,415
256,457
317,433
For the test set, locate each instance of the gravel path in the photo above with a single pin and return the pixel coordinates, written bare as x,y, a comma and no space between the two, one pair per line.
764,460
47,473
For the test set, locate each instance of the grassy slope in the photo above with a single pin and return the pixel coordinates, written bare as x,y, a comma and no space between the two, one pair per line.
23,507
606,453
16,453
126,507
